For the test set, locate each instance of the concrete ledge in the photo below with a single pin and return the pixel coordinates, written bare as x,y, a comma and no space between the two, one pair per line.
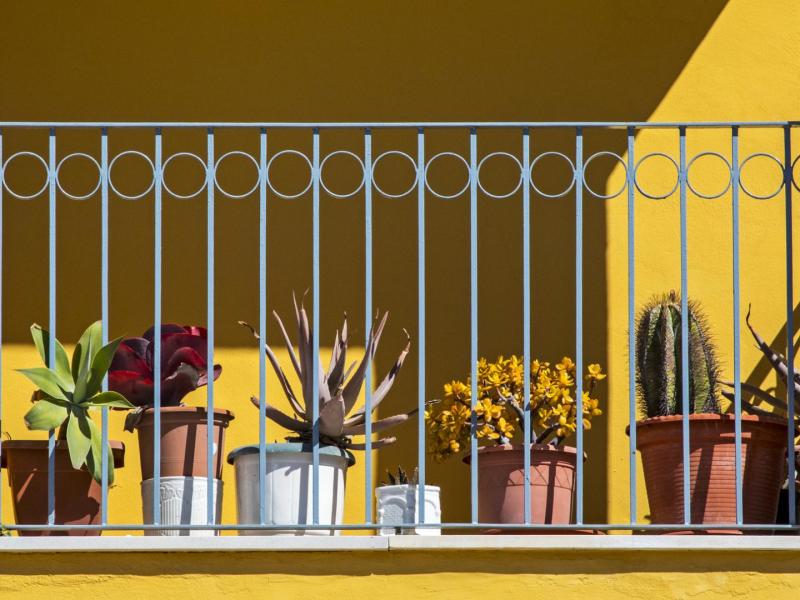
399,543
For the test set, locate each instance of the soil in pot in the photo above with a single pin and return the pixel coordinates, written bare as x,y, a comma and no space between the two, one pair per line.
712,468
184,441
501,484
77,495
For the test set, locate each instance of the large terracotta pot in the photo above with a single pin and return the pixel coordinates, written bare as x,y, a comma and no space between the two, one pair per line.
501,484
712,467
77,495
184,440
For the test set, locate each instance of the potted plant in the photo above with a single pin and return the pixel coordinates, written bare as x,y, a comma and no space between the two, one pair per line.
289,474
499,412
397,504
67,392
712,450
777,407
184,433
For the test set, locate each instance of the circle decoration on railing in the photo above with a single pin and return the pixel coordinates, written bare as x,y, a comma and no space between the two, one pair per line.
617,158
342,153
90,159
794,181
447,196
519,181
164,175
111,179
413,166
14,157
222,190
310,174
689,179
571,166
745,189
636,175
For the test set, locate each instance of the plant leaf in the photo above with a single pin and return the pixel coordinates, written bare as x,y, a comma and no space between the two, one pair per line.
331,418
281,418
41,339
88,345
45,415
94,459
99,367
46,380
110,399
79,438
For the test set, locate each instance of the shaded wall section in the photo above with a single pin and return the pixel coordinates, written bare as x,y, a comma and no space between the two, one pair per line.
336,61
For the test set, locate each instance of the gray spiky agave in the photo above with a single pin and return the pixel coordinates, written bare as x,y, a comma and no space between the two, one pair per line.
338,388
658,359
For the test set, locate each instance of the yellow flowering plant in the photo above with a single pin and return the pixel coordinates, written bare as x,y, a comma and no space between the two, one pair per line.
499,412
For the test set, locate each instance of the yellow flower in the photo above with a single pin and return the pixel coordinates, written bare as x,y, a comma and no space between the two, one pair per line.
596,372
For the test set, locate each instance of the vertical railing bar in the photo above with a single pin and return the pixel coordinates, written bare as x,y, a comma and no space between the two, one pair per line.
631,183
526,317
315,333
2,180
737,371
157,332
262,328
687,517
579,322
473,317
421,322
790,454
210,453
51,440
367,323
104,313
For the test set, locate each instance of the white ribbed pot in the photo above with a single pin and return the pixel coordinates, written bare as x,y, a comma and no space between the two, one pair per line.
184,501
288,485
397,504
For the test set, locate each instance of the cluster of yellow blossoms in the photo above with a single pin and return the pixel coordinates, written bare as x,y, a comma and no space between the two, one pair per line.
498,409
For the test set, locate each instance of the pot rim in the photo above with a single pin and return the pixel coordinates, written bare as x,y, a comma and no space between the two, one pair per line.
292,448
433,488
521,448
655,421
222,412
117,449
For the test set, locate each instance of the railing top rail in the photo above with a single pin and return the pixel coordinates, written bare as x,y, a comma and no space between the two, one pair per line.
399,124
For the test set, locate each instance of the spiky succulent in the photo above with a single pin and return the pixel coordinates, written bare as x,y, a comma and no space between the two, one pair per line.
401,478
780,365
69,390
339,387
658,359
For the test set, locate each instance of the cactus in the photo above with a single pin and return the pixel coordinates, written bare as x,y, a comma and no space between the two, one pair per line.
401,478
658,359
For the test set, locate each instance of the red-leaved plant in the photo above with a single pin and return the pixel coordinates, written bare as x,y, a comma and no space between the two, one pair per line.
183,367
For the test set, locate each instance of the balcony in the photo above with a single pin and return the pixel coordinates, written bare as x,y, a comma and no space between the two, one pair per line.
540,240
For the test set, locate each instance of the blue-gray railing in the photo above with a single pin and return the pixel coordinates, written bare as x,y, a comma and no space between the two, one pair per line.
473,163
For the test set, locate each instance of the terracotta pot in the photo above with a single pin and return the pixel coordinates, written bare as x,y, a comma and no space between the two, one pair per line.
184,438
77,495
501,484
712,467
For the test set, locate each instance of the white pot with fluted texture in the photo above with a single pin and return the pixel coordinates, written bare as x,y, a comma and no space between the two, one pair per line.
288,487
398,504
184,501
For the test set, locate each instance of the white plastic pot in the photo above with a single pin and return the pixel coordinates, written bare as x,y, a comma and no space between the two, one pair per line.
397,504
288,487
184,501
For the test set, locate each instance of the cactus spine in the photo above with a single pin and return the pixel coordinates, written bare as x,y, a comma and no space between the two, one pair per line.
658,359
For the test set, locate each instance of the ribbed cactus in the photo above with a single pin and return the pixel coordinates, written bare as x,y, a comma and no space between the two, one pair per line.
658,359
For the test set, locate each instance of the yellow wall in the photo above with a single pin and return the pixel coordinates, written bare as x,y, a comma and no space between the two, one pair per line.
463,574
311,61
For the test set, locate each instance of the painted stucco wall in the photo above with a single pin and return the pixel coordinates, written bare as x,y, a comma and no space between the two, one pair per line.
468,575
578,60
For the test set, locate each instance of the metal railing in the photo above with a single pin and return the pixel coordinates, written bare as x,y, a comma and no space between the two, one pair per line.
473,163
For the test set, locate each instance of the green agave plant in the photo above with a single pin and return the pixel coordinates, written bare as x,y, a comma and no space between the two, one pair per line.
69,390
